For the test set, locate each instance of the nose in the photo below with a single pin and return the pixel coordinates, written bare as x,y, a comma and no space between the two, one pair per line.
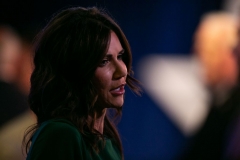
120,70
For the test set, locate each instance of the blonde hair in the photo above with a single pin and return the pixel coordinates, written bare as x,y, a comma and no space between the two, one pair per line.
216,31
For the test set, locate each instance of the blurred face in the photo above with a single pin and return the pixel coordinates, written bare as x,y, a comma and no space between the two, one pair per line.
110,76
10,54
214,45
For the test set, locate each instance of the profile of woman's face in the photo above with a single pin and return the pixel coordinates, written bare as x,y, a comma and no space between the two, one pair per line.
110,76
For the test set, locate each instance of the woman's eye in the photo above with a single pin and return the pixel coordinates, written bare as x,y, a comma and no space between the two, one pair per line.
104,62
120,56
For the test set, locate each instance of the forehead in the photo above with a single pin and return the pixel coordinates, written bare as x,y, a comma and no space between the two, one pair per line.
114,45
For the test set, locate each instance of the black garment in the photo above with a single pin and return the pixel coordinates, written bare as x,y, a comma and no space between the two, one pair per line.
210,142
12,103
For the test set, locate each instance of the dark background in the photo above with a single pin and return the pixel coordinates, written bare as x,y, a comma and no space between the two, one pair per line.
151,26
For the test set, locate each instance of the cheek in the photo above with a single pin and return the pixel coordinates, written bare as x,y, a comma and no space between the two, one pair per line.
102,82
102,78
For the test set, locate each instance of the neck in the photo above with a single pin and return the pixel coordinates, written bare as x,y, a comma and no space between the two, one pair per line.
99,120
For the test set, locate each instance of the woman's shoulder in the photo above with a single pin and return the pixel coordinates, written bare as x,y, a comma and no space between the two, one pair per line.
56,123
57,139
59,127
56,133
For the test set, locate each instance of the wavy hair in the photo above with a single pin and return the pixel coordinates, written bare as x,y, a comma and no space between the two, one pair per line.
67,52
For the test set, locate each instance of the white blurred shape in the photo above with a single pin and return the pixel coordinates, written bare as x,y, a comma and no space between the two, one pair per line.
175,84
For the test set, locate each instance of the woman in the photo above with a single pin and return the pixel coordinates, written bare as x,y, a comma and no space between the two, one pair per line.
82,64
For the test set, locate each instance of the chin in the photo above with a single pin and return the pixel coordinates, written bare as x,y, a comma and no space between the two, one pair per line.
115,102
117,105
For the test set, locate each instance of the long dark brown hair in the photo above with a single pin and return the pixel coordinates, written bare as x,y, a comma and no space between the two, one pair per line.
67,52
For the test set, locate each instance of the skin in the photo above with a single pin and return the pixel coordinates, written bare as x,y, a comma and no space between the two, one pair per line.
110,79
215,40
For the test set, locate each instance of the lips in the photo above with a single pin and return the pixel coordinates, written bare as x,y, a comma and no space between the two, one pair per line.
118,91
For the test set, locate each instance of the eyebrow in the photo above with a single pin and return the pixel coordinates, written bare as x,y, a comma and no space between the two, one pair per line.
110,55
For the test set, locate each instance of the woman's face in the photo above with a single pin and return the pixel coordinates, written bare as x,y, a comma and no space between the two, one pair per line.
110,76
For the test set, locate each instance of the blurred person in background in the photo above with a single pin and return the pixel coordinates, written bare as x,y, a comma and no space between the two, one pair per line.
15,70
17,29
232,142
215,42
199,92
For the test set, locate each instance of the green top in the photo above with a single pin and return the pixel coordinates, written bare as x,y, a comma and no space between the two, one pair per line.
59,139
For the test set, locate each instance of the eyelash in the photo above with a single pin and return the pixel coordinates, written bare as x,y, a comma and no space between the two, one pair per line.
105,61
120,56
